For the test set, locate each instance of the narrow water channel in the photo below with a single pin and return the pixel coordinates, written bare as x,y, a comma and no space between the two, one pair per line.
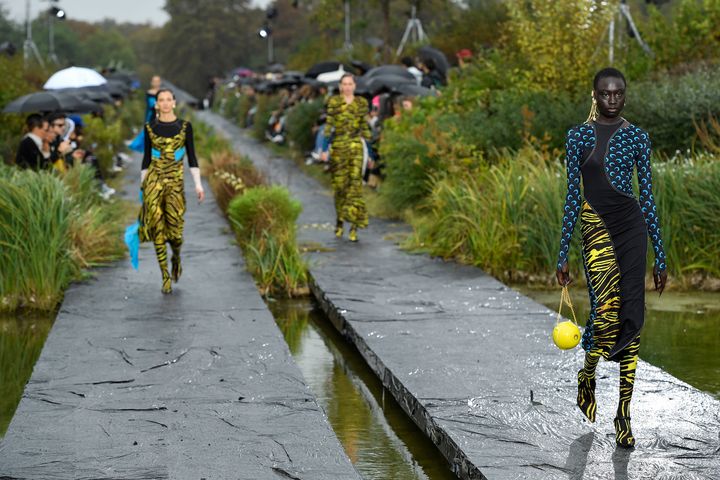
22,337
681,333
380,439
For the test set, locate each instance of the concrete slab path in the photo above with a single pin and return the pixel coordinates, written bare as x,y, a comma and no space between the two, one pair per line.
472,362
134,384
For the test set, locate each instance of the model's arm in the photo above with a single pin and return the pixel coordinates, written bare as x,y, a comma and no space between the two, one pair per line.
647,200
572,198
364,125
192,161
329,124
147,155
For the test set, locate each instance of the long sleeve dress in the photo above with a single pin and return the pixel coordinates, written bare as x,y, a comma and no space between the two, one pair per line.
615,227
163,209
348,127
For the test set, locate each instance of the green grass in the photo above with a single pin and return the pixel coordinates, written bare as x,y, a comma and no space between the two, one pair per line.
264,220
50,230
505,218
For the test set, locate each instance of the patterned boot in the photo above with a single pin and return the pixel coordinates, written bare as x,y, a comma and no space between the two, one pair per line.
161,251
586,395
176,264
339,229
623,433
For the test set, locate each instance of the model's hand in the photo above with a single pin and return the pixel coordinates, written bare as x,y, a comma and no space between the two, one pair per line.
200,193
563,275
660,279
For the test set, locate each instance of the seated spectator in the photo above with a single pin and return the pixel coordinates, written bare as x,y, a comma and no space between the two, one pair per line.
58,144
432,77
30,152
410,66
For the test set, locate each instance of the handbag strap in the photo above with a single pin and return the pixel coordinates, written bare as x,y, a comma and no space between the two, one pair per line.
565,298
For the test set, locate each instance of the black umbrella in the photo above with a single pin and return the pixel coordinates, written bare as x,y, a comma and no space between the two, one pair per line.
386,83
438,58
96,94
125,77
51,102
396,70
117,89
412,90
322,67
361,67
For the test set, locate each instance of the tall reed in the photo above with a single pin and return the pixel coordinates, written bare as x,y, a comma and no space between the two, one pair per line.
505,217
50,229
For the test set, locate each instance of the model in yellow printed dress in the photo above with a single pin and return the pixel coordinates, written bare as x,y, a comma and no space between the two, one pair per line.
167,140
347,126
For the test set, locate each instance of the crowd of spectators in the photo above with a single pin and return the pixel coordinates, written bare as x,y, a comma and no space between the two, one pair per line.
56,142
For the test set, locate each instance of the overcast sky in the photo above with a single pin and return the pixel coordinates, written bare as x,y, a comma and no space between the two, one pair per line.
135,11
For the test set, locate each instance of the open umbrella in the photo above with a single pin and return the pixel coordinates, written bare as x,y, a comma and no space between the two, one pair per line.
74,77
51,102
386,83
438,57
413,90
322,67
333,76
96,94
396,70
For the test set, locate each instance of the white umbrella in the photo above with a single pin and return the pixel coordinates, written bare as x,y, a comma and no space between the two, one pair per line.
330,77
74,77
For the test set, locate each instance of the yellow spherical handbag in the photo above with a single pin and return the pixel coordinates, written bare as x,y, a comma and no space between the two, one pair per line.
566,335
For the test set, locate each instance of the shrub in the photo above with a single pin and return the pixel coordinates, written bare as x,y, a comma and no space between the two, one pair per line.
266,105
264,220
300,120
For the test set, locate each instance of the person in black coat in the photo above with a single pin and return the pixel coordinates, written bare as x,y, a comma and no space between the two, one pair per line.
30,154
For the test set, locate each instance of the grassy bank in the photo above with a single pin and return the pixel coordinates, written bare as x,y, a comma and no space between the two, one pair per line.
505,218
263,217
51,230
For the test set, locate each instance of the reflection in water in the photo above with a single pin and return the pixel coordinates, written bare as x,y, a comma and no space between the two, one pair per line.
681,333
21,340
377,435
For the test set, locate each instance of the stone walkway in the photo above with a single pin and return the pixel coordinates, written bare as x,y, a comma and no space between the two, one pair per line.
133,384
471,360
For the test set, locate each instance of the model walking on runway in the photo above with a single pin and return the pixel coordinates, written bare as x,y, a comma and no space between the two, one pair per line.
138,143
604,151
167,140
346,128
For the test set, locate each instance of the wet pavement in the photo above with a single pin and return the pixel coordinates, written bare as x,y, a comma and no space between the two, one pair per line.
472,362
200,384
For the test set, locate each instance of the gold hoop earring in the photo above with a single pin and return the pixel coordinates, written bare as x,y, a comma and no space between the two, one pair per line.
593,110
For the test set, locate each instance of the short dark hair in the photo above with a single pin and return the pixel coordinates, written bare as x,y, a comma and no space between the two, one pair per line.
51,117
608,72
33,121
164,89
407,61
345,75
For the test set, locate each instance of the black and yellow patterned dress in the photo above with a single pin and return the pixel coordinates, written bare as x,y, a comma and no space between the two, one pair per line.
615,229
163,208
348,127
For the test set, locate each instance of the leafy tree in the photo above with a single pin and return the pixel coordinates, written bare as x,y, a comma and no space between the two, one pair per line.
208,37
